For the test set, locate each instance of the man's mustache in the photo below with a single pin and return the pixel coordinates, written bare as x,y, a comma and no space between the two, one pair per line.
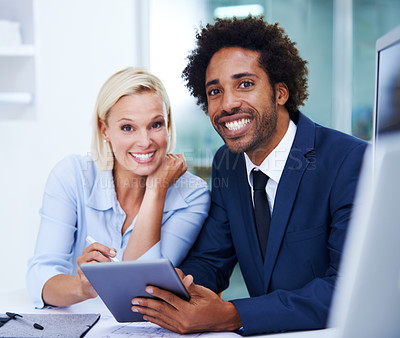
234,111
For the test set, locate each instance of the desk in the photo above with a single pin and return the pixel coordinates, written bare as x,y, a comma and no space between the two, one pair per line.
19,302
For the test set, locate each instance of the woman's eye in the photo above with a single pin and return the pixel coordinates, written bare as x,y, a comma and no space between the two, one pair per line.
126,127
246,84
157,125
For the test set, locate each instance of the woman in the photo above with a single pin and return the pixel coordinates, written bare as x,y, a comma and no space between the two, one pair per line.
132,195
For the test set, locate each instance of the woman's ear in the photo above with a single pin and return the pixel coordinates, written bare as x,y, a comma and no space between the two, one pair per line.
281,93
103,130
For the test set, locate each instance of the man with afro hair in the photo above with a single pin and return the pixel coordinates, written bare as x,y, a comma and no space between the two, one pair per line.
248,76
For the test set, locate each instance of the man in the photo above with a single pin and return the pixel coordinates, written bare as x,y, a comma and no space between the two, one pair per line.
250,78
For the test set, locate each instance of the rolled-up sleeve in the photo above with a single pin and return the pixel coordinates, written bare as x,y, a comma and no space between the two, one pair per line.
55,241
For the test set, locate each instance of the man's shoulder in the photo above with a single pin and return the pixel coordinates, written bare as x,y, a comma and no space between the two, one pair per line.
225,160
224,153
337,141
324,137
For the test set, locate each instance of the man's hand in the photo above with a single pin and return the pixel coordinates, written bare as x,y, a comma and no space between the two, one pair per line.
205,311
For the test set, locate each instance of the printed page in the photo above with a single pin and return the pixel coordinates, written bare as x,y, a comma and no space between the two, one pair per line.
108,327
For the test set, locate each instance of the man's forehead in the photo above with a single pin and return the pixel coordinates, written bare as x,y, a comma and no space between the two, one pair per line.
233,63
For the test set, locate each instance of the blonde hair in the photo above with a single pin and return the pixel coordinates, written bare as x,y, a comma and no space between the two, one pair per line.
129,81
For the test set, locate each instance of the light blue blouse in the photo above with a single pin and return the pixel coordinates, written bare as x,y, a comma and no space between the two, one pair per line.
80,200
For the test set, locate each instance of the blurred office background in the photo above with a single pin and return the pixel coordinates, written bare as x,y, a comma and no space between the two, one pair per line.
56,54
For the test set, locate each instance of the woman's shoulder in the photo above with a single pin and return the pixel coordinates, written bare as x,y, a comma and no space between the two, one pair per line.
188,181
75,163
187,189
75,167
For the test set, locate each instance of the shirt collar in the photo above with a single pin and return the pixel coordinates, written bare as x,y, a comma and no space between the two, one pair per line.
103,196
274,163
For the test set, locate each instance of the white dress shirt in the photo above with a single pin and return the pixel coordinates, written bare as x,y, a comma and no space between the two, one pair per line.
273,164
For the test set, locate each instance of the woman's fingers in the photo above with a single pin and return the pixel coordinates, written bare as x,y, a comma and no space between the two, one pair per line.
96,252
172,167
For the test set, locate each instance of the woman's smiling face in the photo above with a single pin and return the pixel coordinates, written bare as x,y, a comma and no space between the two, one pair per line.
136,128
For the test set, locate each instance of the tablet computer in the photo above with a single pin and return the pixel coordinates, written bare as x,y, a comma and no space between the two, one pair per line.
118,282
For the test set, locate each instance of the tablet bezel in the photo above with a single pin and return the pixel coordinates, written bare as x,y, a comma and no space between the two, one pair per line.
117,283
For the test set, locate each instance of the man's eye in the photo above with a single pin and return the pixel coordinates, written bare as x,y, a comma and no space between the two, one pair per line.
126,127
246,84
213,92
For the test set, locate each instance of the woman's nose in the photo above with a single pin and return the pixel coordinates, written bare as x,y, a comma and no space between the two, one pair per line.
144,139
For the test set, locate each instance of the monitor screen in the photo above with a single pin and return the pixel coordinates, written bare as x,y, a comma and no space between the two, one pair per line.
387,99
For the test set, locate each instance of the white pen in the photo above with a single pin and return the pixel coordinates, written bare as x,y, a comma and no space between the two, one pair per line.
91,240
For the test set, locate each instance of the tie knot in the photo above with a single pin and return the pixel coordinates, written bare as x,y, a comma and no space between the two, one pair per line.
259,180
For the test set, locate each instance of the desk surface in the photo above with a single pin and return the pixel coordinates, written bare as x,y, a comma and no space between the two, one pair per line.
19,302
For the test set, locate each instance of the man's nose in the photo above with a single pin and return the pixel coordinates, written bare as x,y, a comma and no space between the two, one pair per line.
230,101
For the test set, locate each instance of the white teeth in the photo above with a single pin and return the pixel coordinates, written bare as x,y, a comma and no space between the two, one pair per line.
235,125
143,157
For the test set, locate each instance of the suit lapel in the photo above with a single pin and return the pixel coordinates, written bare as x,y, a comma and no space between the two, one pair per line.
295,167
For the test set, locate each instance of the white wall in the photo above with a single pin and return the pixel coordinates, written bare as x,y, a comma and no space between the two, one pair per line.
173,26
79,45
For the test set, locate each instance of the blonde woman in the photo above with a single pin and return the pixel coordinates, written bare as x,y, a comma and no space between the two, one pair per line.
132,194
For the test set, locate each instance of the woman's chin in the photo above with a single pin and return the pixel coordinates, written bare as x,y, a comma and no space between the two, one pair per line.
145,169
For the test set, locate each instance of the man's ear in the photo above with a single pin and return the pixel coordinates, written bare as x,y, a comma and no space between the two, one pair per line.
103,130
281,93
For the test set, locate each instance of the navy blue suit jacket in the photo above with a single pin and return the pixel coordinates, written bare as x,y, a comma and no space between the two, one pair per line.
292,288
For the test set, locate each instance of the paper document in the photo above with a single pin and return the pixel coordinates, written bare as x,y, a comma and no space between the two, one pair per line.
110,328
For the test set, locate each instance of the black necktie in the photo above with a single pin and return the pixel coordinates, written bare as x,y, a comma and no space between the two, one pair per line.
261,209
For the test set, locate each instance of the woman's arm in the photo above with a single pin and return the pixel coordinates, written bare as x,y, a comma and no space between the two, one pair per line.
56,237
185,210
65,290
147,230
51,276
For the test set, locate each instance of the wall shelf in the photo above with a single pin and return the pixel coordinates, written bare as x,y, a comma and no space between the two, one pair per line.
16,98
18,63
21,50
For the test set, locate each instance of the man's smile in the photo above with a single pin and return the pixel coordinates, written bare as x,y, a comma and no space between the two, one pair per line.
234,125
237,124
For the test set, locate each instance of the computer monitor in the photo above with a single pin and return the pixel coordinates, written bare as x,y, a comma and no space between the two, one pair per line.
366,302
387,85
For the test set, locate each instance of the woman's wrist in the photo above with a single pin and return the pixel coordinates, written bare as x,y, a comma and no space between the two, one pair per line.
157,189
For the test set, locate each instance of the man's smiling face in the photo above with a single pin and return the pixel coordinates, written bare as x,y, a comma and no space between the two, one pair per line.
241,100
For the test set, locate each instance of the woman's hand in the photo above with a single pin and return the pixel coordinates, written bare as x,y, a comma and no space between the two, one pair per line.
95,252
173,167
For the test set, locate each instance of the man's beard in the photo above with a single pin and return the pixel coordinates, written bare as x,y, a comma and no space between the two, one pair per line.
267,123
